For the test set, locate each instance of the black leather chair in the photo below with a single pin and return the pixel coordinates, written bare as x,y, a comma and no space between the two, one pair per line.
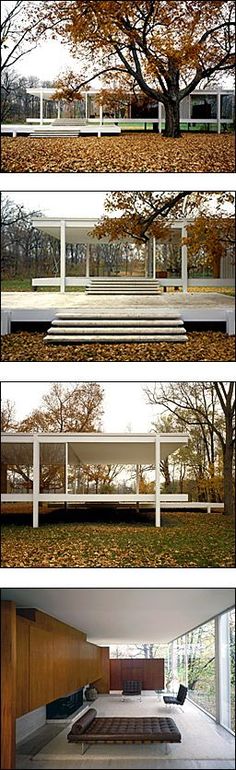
132,687
176,700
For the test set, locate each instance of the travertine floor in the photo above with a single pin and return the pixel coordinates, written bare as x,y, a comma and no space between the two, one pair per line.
175,300
204,744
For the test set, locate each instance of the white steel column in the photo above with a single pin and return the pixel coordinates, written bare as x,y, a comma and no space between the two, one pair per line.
218,112
41,106
86,105
159,116
62,255
87,260
35,482
184,260
154,257
100,114
157,484
137,479
66,468
222,662
58,110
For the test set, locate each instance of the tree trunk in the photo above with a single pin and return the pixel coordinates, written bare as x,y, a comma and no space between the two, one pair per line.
172,119
228,475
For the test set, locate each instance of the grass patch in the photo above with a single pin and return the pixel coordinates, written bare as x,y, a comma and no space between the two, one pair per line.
184,540
25,284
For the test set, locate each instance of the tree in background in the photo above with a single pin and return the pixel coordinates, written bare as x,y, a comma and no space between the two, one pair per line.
18,30
211,407
156,49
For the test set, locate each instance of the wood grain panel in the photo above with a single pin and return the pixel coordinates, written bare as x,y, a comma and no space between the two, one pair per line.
41,667
103,684
22,666
149,671
8,684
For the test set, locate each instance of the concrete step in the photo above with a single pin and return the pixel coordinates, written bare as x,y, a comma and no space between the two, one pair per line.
116,330
127,323
78,338
132,316
56,133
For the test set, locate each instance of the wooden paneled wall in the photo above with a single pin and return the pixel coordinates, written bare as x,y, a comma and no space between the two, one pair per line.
54,659
149,671
8,684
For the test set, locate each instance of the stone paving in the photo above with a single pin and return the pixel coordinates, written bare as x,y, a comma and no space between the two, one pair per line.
17,300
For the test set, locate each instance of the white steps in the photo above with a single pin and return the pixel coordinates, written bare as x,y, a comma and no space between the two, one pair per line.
132,286
120,326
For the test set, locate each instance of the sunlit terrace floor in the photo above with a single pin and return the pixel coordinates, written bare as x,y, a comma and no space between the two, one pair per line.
204,745
49,299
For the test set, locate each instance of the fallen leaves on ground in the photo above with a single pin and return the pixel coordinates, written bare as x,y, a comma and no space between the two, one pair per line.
184,540
131,153
201,346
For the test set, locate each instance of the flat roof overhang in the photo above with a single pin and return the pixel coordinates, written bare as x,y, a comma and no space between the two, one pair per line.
50,92
79,230
93,448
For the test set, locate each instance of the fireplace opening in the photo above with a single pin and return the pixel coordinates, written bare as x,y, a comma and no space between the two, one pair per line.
64,707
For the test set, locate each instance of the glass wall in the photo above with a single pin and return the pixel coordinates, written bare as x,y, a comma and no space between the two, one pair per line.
109,479
52,468
168,256
201,667
204,660
203,106
16,468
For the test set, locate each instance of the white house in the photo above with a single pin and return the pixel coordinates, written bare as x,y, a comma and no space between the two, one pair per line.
25,456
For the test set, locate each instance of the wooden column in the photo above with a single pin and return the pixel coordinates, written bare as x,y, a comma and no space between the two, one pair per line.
8,685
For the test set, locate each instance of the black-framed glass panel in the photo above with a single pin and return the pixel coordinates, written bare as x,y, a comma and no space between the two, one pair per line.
16,468
226,106
203,106
202,667
52,467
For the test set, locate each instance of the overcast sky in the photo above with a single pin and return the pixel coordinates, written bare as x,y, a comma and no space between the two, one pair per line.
50,59
62,204
125,404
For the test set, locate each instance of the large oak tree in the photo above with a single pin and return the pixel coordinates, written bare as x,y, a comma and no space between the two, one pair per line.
159,49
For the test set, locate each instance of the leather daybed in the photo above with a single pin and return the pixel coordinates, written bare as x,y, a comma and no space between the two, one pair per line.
92,729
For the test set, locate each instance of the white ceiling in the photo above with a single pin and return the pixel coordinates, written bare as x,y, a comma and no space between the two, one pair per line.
112,616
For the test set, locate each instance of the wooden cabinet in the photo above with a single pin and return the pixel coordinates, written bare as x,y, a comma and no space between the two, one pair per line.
149,671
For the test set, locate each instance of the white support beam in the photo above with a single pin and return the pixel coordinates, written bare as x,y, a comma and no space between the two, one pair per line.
62,255
59,109
100,114
36,489
87,260
160,116
86,106
157,484
66,467
137,479
222,656
184,259
218,112
41,106
154,257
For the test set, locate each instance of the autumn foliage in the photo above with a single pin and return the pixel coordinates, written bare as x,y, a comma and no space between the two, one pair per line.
162,49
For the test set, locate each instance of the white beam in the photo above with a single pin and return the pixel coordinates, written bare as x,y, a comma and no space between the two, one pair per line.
86,106
100,114
59,109
159,116
157,484
184,259
218,112
223,699
87,260
154,257
62,255
35,482
41,106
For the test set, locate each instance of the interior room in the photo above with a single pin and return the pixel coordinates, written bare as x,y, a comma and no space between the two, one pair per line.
137,678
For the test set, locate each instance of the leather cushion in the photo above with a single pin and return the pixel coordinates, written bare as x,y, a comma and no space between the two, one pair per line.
147,729
83,723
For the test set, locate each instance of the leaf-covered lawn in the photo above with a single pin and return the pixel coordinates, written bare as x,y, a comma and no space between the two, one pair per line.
201,346
133,153
194,540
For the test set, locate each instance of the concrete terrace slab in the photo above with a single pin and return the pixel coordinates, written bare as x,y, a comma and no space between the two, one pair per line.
211,307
